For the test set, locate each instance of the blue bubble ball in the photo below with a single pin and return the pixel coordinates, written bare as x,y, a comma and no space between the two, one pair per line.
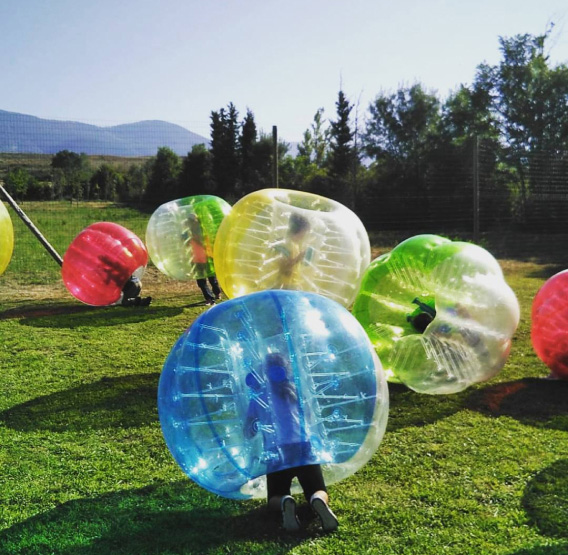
269,381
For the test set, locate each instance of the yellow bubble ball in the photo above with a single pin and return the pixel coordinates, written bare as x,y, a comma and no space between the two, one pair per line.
6,238
284,239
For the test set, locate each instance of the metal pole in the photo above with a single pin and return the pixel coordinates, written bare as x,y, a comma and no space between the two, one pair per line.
54,254
275,156
476,190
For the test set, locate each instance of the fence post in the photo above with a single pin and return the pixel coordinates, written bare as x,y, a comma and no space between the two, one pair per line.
475,176
275,156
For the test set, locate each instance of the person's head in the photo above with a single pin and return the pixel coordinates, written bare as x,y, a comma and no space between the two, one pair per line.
276,368
298,226
279,375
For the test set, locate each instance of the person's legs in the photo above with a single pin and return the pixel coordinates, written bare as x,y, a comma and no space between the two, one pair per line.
279,498
311,479
215,286
207,294
313,484
319,503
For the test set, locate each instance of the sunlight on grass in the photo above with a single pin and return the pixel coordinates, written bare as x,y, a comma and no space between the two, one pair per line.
85,470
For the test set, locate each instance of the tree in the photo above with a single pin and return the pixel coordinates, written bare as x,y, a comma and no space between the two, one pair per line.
18,182
247,143
224,150
309,167
71,174
315,145
468,115
195,176
163,180
105,183
133,187
401,133
401,126
343,158
530,103
342,155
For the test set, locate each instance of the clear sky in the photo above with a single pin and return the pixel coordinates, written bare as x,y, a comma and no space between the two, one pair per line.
115,61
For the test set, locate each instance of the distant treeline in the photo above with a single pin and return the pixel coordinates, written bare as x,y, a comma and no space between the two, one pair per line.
414,159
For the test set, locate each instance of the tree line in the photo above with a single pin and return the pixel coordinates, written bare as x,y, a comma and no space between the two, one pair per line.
412,152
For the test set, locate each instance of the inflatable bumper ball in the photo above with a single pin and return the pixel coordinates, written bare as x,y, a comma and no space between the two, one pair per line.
100,261
269,381
181,233
549,330
439,313
6,238
281,239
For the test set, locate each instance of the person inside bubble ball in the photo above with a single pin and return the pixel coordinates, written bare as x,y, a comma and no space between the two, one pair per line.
276,412
292,249
201,261
130,294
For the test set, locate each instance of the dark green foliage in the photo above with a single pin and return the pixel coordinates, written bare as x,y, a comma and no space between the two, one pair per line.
163,177
195,176
224,150
71,174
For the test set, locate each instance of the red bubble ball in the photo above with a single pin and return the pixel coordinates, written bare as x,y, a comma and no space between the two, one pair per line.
99,262
549,331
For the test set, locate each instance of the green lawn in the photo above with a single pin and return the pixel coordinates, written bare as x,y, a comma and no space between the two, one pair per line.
84,468
59,222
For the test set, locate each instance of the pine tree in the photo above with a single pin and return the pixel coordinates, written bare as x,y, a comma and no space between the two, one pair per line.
342,155
247,141
224,150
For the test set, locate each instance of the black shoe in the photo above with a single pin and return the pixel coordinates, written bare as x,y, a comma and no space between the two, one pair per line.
145,301
329,521
290,521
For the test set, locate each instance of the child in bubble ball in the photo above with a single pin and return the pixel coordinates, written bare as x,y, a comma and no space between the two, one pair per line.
275,411
201,261
293,251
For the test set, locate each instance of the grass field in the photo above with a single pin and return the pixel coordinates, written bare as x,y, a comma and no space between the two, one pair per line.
84,468
59,222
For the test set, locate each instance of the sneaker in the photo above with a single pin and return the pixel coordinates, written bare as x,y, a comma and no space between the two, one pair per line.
290,521
329,521
210,303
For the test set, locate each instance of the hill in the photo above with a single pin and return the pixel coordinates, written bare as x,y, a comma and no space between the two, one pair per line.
21,133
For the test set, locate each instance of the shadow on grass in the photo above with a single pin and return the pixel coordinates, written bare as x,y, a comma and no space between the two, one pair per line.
544,550
534,401
546,272
71,316
168,518
408,408
127,401
546,500
540,248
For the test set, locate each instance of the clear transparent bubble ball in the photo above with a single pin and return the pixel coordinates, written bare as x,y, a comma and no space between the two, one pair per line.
181,234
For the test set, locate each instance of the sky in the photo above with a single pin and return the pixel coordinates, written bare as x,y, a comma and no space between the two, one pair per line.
108,62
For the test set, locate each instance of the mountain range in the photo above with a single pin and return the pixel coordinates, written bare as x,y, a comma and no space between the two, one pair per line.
21,133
